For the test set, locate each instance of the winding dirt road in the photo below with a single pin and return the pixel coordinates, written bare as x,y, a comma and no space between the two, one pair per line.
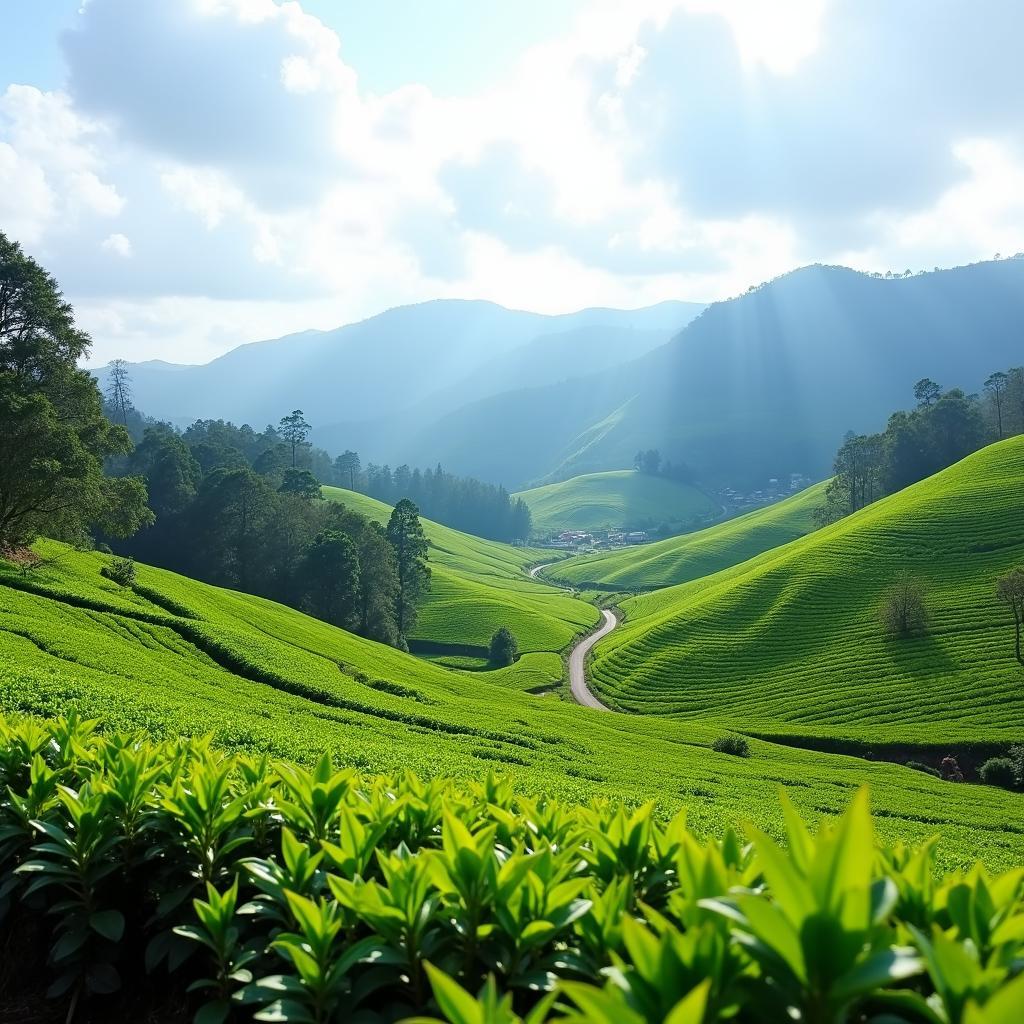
578,657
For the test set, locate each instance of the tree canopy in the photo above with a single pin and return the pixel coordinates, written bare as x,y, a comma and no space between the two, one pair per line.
54,436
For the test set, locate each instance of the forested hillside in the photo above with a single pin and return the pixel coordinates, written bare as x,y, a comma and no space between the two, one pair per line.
759,386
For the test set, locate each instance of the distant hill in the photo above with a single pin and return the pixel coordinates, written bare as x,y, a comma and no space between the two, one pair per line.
759,386
791,641
616,499
366,384
679,559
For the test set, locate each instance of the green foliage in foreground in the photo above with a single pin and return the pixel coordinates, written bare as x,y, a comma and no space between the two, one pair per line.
616,499
692,555
279,894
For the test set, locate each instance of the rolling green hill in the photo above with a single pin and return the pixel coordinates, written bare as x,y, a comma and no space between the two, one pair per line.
479,585
679,559
617,499
176,657
790,641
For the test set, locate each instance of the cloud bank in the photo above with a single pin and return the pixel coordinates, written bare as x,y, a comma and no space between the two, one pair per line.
212,171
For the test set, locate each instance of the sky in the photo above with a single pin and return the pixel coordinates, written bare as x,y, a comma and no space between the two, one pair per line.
202,173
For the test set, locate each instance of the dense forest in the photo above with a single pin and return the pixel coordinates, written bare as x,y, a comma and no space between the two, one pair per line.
261,527
944,427
463,503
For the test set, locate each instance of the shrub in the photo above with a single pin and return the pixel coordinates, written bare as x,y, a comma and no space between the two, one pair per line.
903,609
1017,757
325,895
735,745
999,771
504,649
121,571
950,769
919,766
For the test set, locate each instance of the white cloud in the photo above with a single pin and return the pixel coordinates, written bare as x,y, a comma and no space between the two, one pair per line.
118,244
662,149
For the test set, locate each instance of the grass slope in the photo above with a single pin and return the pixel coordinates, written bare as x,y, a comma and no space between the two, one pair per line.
791,640
680,559
620,498
177,657
479,585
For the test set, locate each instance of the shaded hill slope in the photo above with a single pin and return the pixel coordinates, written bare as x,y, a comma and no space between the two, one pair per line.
435,355
792,640
618,498
758,386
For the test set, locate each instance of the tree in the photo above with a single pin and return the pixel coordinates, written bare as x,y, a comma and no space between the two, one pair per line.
504,649
1010,590
330,572
171,472
229,523
903,607
347,466
405,532
301,483
995,386
54,437
294,429
119,389
926,392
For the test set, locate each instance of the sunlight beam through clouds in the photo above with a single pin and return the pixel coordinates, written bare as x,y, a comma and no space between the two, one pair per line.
225,151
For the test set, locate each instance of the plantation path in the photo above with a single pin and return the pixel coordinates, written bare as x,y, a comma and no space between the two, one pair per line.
578,657
578,662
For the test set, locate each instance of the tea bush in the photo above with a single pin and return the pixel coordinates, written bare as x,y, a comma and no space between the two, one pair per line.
998,771
275,893
735,745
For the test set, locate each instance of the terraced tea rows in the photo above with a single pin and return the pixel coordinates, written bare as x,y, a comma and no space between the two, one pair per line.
679,559
480,585
620,498
792,639
178,657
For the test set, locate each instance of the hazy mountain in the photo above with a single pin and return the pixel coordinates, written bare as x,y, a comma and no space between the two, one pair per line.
405,366
761,385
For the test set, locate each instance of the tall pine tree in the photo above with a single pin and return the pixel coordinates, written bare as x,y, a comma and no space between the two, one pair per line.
405,532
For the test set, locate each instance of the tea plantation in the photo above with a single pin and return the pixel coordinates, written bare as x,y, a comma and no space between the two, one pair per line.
138,872
480,585
791,641
620,498
693,555
176,657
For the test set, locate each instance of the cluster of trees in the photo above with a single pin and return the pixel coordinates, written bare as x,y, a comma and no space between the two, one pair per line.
54,437
651,463
461,502
944,427
262,528
464,503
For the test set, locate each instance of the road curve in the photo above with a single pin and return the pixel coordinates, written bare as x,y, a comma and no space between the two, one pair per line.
578,663
578,658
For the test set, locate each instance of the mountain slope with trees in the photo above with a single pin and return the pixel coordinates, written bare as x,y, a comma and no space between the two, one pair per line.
366,385
759,386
